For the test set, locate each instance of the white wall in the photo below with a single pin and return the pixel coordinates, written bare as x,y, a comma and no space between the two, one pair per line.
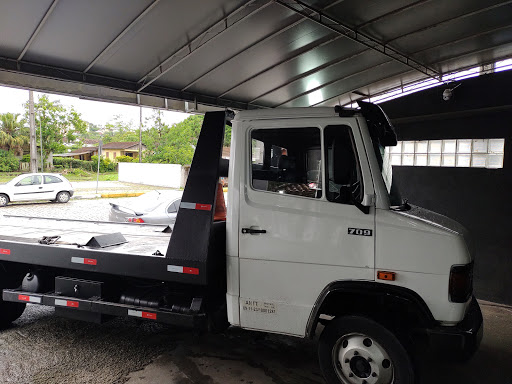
162,175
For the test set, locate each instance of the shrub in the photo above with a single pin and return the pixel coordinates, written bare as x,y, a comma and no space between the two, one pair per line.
124,159
8,162
69,162
78,172
106,165
25,159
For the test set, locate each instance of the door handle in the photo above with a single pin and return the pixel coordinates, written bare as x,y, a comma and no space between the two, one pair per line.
40,187
252,231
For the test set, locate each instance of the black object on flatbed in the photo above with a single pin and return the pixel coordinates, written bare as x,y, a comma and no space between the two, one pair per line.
94,270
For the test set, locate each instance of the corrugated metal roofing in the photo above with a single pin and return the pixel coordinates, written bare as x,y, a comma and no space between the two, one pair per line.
192,55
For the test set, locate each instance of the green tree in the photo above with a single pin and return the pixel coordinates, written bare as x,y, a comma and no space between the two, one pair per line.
118,130
13,134
57,124
174,144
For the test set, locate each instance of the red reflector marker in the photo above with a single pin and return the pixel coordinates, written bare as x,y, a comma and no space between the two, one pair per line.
181,269
29,299
66,303
5,251
204,207
142,314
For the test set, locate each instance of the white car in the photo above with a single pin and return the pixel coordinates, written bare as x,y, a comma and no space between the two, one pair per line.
36,186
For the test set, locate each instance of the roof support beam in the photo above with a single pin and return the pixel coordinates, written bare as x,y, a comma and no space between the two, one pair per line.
255,45
331,82
351,33
450,20
322,44
310,72
392,13
388,61
415,81
124,32
463,39
201,40
313,47
36,32
95,87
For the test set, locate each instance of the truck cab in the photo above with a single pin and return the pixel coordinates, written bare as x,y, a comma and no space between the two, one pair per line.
315,231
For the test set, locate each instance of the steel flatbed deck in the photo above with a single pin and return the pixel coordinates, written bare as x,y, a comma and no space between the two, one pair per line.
143,255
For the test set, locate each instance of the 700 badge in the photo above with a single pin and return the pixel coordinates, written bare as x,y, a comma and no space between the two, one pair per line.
360,231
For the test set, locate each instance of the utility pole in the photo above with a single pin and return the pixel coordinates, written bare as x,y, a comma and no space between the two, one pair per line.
41,133
33,143
140,136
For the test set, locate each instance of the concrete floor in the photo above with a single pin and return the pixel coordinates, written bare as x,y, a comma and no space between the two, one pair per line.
44,349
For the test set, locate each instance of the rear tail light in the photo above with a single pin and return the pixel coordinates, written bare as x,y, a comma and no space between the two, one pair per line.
461,283
135,220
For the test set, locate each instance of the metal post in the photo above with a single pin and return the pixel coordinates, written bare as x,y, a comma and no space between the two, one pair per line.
41,137
140,136
100,144
33,142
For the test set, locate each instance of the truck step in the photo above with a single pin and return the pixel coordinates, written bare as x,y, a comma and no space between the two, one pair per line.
98,306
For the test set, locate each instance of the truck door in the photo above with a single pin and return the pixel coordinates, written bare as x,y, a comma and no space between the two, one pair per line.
300,228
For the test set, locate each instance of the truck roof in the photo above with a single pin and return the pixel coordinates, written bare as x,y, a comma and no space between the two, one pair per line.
285,113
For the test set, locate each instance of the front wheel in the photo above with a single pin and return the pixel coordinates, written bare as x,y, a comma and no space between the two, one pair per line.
63,197
357,350
4,200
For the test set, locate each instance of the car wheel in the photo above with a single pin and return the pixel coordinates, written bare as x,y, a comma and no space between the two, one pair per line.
63,197
355,350
4,200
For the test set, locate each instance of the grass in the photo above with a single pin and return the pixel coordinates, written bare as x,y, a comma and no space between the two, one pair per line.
70,174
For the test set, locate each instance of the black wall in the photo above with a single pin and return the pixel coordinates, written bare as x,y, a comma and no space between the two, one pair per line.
480,199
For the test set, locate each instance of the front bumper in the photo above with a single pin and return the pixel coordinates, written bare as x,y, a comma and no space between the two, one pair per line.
460,342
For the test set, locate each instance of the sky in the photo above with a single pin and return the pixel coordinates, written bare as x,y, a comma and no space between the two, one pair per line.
96,112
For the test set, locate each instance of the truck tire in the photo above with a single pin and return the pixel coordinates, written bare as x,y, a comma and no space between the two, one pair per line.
357,350
9,311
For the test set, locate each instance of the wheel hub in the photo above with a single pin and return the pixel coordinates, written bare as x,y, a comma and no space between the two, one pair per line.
361,360
360,367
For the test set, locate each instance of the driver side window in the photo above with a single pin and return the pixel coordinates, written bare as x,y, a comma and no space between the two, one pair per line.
29,180
343,174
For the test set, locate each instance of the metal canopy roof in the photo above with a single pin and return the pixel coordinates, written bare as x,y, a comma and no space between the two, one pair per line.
195,55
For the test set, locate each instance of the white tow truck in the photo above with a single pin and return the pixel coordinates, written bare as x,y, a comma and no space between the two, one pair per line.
314,234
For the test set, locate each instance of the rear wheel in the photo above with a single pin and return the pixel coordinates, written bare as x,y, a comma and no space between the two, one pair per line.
9,311
357,350
63,197
4,200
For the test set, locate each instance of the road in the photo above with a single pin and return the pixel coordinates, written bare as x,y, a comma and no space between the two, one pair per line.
41,348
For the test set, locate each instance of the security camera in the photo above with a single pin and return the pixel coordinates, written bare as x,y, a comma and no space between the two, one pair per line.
447,94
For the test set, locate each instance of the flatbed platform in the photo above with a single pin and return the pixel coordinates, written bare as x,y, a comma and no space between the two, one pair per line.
142,239
143,255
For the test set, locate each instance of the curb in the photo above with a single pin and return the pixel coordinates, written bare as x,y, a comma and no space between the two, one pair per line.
124,194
